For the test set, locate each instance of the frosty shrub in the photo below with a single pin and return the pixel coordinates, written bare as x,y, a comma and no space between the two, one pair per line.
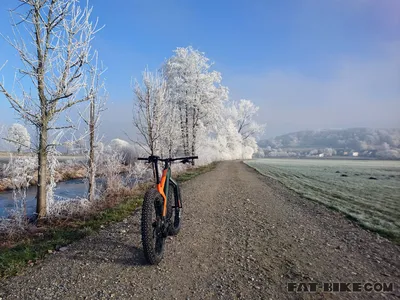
69,207
110,165
139,172
20,170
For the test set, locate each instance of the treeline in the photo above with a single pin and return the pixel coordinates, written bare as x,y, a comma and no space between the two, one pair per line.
356,139
183,109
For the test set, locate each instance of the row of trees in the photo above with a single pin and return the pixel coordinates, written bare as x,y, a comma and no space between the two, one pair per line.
357,139
184,109
180,109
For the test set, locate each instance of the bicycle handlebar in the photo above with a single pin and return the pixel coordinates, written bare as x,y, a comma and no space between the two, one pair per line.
183,158
155,158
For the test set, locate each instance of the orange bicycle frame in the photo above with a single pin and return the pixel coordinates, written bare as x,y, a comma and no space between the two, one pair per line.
162,188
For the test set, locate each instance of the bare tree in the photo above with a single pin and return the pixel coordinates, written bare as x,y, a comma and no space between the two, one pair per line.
150,110
56,61
243,114
171,134
96,107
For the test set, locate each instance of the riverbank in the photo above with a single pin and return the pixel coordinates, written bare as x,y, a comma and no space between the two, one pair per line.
66,171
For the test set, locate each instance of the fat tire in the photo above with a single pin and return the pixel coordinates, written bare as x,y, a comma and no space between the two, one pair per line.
153,254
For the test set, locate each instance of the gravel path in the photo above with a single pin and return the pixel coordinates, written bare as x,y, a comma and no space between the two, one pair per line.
244,236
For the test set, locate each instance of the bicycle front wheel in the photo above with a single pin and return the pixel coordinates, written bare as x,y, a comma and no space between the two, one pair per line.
153,238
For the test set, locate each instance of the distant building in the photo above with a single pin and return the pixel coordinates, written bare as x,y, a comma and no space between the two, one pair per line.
321,155
355,153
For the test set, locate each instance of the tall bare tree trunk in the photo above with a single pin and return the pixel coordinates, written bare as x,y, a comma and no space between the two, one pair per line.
41,195
92,165
187,130
194,133
182,129
170,148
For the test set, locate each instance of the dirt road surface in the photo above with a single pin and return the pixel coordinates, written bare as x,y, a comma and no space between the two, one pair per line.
244,236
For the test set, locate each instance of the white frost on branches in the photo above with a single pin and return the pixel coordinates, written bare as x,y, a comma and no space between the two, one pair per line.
242,113
195,93
186,113
57,60
53,164
150,110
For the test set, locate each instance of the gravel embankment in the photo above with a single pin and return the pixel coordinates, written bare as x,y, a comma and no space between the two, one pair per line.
244,236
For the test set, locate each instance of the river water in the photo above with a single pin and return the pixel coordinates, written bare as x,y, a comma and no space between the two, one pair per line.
64,191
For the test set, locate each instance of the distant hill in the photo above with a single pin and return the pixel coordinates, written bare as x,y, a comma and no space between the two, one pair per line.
355,139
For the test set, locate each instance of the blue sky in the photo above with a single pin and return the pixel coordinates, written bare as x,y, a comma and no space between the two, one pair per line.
308,64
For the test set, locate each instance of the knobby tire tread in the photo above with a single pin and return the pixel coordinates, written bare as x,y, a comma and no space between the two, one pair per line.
147,228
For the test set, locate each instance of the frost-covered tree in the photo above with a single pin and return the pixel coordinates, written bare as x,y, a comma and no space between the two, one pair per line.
150,110
243,113
260,153
230,141
170,138
91,117
225,140
196,93
55,52
185,112
18,136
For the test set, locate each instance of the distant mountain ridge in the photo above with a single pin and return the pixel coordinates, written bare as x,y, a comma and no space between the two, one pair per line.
357,139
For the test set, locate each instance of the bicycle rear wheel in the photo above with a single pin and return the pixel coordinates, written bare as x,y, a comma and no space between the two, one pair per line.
153,239
174,212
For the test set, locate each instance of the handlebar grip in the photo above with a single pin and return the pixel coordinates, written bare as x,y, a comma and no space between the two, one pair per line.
143,158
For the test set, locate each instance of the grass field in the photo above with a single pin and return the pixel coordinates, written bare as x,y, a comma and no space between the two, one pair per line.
366,191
